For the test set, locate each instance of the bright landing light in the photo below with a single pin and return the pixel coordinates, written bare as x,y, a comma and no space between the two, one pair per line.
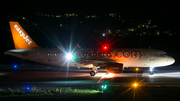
69,56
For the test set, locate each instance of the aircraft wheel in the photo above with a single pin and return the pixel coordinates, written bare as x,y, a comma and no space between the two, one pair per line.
96,71
92,73
151,73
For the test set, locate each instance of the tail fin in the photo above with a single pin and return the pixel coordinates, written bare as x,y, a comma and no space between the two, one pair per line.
21,39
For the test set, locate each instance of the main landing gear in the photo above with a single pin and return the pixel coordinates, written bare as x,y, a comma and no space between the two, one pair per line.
94,71
151,70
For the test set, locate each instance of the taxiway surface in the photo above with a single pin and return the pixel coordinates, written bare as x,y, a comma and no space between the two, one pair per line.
54,78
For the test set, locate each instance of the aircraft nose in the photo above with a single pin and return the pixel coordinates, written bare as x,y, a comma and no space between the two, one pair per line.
171,60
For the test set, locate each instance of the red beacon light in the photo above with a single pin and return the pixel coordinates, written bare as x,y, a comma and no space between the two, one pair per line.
105,47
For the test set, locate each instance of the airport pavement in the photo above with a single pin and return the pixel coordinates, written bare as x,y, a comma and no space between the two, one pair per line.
56,78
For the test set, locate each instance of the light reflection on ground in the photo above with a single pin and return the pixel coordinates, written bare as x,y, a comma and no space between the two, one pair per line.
106,76
171,74
70,82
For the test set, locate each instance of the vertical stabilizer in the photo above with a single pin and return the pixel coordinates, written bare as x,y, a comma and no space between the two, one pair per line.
21,39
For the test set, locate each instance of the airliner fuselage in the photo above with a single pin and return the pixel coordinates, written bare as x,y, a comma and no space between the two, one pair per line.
86,58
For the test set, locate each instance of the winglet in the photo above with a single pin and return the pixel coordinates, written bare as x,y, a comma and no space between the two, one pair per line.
21,39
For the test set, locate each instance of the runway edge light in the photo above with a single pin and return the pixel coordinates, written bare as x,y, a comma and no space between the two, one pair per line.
104,87
27,88
15,66
135,85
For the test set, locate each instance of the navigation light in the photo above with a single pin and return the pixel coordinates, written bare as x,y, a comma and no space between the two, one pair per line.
74,58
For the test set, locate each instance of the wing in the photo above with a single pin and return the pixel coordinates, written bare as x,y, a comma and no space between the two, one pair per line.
94,61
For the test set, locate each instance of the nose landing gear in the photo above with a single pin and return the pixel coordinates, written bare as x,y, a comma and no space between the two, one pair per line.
94,70
151,70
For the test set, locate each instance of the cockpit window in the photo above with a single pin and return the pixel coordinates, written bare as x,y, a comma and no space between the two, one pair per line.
163,54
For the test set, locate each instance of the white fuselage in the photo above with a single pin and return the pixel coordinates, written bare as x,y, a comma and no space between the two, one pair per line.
89,57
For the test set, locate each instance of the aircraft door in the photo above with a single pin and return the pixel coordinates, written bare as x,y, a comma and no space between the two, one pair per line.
37,55
151,56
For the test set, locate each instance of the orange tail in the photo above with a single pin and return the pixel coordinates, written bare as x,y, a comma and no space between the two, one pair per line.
21,39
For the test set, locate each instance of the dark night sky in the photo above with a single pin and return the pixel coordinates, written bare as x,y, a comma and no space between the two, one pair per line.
130,8
134,6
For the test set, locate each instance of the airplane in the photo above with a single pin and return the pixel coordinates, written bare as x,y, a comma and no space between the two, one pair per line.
112,60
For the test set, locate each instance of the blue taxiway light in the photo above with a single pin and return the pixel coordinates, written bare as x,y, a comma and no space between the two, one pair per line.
27,88
15,66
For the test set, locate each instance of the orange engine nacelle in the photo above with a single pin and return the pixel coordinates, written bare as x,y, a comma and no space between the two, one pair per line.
114,68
